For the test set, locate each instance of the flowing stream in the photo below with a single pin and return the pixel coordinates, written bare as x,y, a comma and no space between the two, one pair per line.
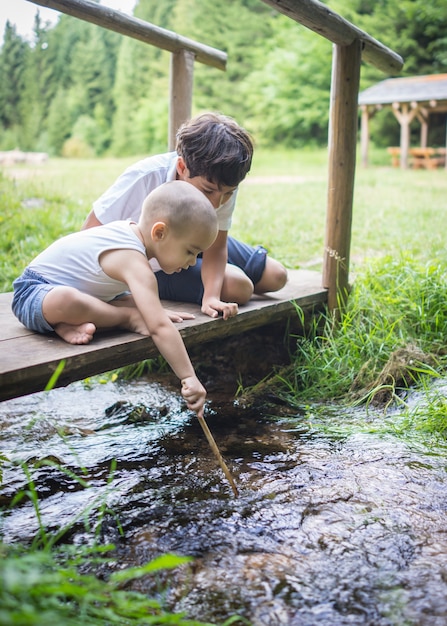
327,530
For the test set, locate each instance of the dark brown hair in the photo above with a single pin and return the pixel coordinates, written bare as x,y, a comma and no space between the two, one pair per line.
216,147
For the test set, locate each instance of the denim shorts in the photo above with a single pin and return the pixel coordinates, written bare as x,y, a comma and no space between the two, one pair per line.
187,286
29,291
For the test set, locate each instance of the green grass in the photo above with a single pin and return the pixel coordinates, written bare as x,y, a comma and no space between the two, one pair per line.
50,588
394,210
349,376
394,303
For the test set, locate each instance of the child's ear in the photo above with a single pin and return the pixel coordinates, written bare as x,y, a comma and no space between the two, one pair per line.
182,170
158,231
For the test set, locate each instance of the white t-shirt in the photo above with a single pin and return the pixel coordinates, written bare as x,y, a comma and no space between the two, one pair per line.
124,199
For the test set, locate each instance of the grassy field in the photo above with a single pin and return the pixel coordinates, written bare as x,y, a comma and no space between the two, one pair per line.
281,204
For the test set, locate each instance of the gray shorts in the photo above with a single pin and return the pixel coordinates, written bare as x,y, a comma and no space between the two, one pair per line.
29,291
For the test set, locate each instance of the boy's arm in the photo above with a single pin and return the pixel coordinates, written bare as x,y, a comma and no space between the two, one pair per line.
132,268
90,221
214,262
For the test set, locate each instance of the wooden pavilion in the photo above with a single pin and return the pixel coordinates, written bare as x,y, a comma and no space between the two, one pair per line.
28,361
410,98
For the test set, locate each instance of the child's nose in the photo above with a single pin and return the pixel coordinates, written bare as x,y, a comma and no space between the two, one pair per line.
216,199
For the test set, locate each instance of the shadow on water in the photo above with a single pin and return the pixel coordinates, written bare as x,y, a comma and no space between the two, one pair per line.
326,530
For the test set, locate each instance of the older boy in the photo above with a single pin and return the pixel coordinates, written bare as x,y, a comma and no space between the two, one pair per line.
74,286
214,154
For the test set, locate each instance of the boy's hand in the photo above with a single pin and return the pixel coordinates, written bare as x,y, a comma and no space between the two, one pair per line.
213,307
179,316
194,393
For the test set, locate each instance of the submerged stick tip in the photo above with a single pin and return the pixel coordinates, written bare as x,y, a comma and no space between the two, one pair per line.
218,455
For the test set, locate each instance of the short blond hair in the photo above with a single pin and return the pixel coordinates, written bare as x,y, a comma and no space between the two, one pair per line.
181,205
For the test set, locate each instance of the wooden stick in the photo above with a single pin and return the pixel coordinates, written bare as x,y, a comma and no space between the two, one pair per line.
218,455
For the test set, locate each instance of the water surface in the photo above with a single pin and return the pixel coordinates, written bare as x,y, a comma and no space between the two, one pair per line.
326,530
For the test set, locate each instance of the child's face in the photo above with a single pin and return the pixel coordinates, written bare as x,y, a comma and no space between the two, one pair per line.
216,194
178,252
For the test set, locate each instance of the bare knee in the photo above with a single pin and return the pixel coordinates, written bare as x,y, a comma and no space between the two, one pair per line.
243,291
273,278
60,303
62,296
237,287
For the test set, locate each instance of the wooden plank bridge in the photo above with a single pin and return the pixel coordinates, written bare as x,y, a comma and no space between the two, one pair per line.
28,359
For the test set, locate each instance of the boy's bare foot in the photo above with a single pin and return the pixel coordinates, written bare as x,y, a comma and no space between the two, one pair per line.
76,335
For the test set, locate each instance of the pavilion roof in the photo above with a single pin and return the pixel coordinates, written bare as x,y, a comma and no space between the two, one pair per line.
409,89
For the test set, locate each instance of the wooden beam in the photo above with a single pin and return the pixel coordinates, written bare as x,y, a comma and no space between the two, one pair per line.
181,87
321,19
343,121
137,29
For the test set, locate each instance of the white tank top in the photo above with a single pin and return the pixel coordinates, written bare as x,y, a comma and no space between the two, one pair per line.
73,260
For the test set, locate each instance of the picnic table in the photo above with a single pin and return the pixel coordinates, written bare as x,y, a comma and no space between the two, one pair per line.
427,158
420,158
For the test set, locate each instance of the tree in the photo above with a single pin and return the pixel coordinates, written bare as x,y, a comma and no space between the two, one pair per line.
59,122
12,64
141,89
289,97
113,91
241,29
417,31
34,101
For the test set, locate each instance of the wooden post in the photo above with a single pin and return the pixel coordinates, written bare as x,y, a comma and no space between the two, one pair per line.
445,162
364,135
423,118
343,123
404,116
404,136
180,100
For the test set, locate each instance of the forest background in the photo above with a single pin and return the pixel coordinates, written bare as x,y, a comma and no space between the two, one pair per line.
77,90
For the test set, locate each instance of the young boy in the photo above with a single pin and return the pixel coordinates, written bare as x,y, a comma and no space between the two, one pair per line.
214,154
74,286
